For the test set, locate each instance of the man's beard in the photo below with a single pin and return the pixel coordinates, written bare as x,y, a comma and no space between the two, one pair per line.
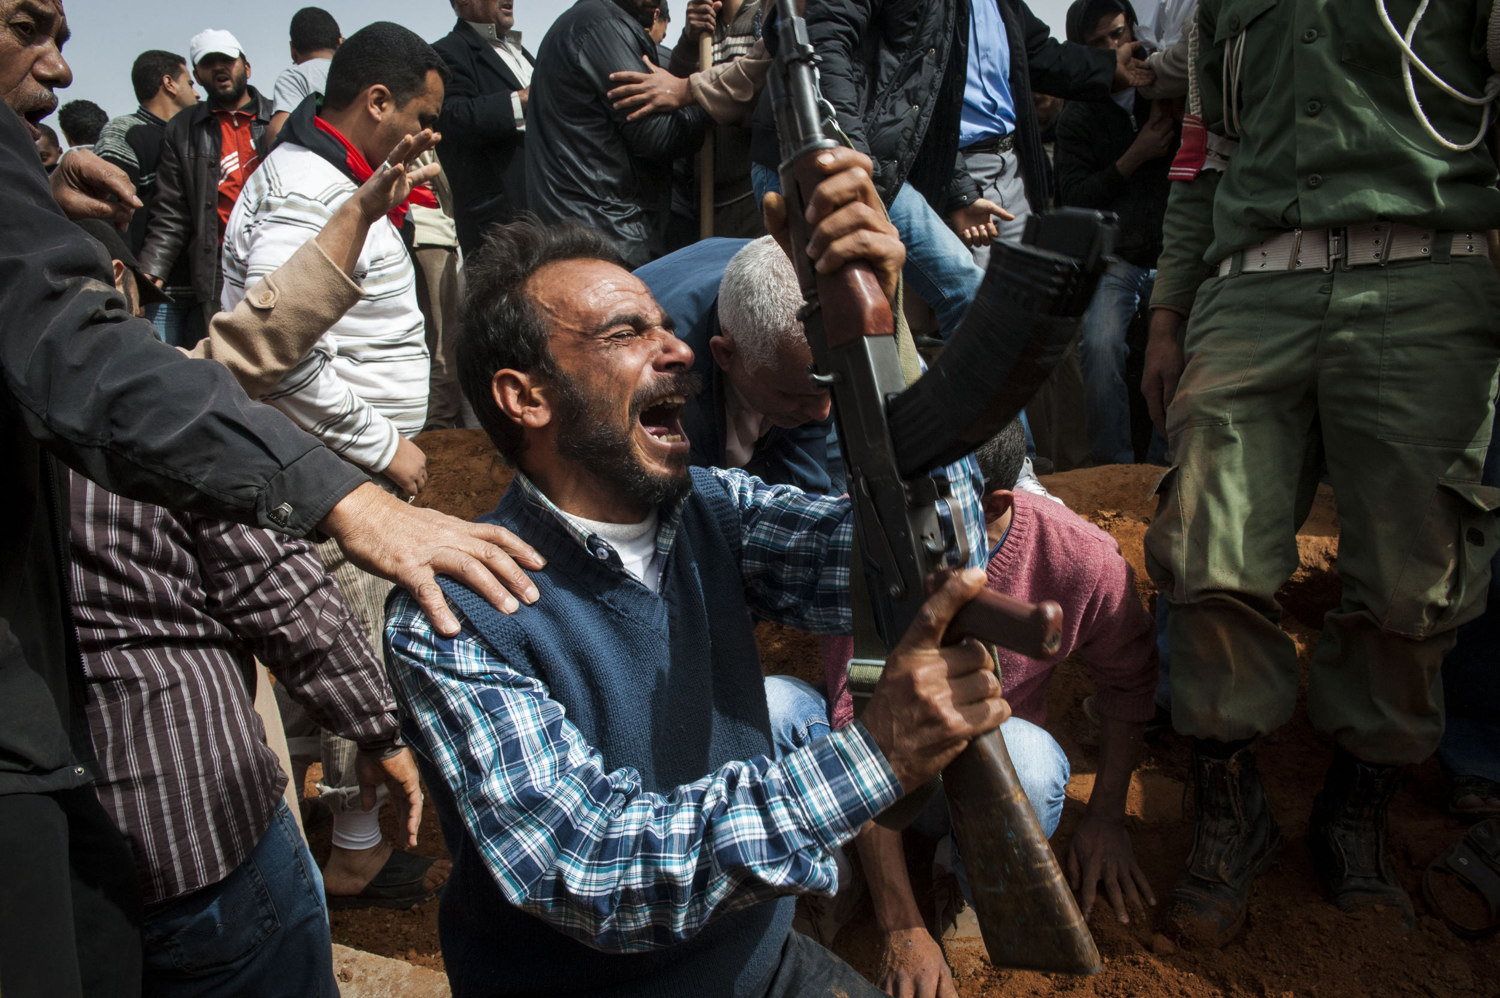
588,435
644,13
236,95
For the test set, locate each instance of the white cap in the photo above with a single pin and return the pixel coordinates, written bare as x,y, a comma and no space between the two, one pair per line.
213,40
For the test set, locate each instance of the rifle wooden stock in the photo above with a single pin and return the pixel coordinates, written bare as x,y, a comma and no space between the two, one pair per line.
1025,910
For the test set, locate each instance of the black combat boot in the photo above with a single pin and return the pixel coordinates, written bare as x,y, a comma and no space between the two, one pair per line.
1234,839
1346,836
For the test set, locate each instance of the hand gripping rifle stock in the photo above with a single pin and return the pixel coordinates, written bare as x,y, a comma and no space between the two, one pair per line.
1026,313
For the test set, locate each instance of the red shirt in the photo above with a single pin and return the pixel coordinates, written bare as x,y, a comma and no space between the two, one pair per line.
237,159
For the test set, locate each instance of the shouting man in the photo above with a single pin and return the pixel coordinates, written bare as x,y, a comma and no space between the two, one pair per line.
603,768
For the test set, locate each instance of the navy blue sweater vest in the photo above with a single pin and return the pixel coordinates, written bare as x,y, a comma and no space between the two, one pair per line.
668,683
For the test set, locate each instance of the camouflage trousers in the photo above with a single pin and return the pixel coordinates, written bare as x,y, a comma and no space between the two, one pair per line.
1386,377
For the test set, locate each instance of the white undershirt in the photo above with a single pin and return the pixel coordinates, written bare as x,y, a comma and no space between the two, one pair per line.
635,543
508,48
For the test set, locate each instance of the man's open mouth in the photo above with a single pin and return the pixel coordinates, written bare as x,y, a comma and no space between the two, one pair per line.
662,419
34,116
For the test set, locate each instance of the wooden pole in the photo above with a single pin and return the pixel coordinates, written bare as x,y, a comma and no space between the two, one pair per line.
706,154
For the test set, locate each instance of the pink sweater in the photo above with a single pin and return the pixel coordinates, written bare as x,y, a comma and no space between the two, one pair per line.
1053,553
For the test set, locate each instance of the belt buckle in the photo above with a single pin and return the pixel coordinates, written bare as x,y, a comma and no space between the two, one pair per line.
1296,256
1336,243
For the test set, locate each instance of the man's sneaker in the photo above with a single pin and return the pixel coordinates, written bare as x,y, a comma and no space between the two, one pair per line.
1027,481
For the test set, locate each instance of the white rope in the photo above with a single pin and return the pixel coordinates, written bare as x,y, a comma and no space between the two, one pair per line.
1410,58
1234,60
1195,93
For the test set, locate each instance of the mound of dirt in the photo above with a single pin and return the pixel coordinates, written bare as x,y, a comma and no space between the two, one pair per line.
1295,944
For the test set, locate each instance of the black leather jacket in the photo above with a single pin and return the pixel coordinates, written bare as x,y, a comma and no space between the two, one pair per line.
584,161
86,384
185,214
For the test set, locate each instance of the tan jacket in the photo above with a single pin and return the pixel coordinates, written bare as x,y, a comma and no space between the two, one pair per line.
728,91
281,317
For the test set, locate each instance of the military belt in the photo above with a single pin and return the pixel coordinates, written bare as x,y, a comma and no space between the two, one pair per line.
1372,245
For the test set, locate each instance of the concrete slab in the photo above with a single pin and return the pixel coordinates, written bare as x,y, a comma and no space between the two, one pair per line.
365,975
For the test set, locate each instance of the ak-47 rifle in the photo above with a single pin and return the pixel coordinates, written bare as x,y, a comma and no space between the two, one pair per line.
1023,318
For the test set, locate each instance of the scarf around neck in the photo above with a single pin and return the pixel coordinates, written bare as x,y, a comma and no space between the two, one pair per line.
308,129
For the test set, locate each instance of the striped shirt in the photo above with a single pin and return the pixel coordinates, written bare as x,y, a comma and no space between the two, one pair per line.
170,609
364,385
773,823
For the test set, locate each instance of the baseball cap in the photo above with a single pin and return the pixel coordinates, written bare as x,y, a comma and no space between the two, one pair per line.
105,235
213,40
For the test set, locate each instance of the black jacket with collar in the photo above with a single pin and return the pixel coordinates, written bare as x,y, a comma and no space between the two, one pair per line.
895,72
86,384
185,215
483,152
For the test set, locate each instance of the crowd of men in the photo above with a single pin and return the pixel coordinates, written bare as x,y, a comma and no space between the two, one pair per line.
228,319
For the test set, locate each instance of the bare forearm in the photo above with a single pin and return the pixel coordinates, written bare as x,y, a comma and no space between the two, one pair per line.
1119,749
884,863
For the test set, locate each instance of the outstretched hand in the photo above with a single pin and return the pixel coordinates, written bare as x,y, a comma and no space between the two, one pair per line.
975,222
848,219
393,181
912,966
85,186
1131,70
652,92
411,547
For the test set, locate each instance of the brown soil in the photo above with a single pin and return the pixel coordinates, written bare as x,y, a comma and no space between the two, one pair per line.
1295,944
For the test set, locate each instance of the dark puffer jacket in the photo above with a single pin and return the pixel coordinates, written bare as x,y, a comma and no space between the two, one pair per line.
185,215
895,71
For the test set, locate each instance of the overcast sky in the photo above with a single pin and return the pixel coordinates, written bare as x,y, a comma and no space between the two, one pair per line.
109,34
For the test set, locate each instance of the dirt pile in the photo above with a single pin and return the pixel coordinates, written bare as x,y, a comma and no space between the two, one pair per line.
1295,944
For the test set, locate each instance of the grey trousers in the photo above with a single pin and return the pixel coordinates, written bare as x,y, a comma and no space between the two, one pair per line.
999,177
1057,413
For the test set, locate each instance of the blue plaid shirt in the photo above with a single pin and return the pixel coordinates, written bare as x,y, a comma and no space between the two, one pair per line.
742,835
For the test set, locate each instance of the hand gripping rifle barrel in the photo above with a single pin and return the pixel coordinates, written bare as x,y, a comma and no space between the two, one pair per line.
1018,328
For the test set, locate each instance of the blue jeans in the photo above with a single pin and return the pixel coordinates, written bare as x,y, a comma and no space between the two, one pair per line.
1102,351
938,264
261,931
799,714
179,323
